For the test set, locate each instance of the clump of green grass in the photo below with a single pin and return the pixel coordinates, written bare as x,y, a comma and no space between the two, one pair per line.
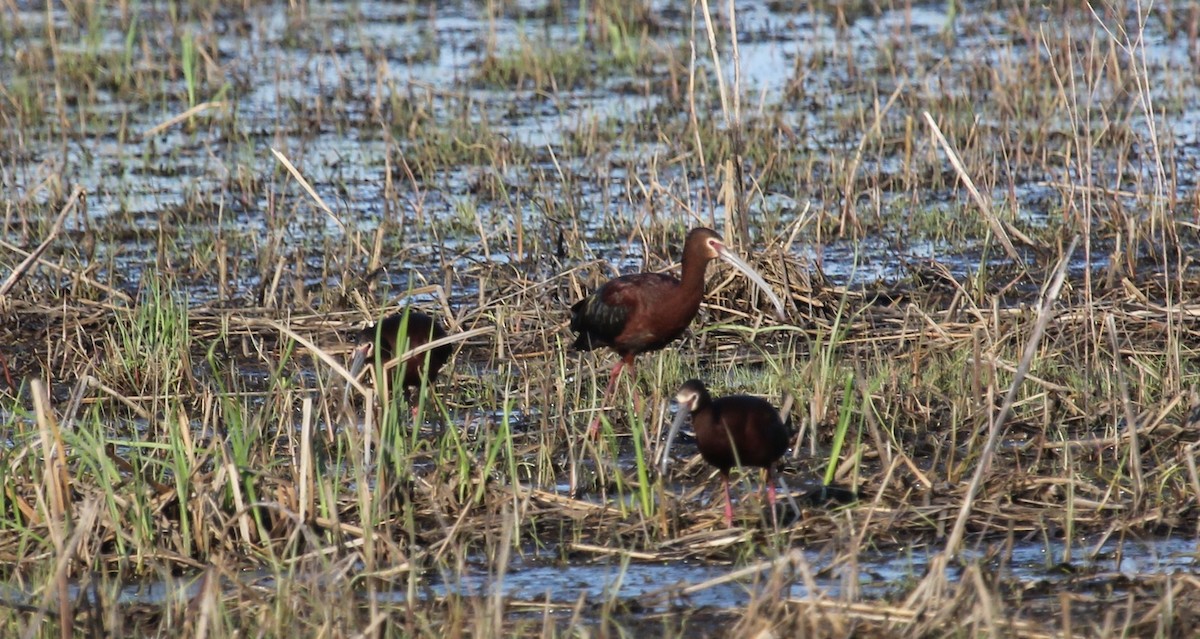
539,68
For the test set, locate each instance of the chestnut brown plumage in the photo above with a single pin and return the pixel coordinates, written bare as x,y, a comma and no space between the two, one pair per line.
644,312
396,335
737,430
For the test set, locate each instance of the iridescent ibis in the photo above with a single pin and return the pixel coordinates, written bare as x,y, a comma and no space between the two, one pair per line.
642,312
396,335
737,430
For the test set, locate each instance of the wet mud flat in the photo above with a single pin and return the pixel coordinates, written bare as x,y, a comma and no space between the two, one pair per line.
910,178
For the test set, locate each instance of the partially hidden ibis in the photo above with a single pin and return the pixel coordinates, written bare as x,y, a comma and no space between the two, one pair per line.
642,312
397,335
736,430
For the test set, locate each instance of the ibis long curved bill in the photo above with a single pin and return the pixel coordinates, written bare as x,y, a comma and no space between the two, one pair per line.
357,363
752,275
676,424
397,336
736,430
642,312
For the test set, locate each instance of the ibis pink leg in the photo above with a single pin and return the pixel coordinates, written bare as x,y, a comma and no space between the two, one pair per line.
771,498
728,501
594,429
7,376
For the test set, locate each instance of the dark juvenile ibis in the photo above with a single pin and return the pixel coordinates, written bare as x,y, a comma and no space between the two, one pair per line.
643,312
731,431
397,335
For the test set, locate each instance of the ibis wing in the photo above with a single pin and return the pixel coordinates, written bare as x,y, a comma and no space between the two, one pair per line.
601,317
597,322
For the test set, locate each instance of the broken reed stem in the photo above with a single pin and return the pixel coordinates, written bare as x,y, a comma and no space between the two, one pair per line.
306,460
291,168
55,483
1131,424
181,117
55,496
792,560
992,220
711,30
66,556
54,491
1045,312
229,472
36,254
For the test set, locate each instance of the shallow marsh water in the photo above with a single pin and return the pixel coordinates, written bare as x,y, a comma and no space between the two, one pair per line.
274,85
1041,568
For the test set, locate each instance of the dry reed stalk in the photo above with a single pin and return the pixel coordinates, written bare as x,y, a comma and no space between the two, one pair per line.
861,611
182,117
55,486
210,585
228,472
66,551
77,196
306,480
1131,422
873,131
1001,230
76,275
128,402
623,553
996,425
299,177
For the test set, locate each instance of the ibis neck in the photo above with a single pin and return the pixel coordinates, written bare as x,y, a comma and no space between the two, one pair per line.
692,281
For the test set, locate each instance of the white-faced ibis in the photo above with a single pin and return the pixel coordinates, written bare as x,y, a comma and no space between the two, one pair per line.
738,430
396,335
642,312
